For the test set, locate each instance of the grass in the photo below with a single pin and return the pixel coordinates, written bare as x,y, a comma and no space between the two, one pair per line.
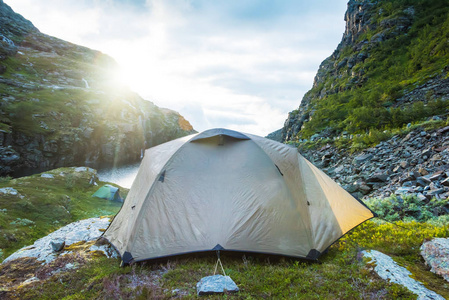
44,205
342,273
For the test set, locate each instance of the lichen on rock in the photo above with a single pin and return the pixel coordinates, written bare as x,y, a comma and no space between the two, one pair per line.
436,255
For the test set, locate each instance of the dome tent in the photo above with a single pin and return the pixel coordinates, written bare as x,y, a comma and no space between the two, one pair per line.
108,192
225,190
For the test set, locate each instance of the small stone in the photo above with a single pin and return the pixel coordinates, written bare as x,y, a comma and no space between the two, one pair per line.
397,168
435,192
445,182
362,158
364,188
403,164
351,188
435,157
436,176
421,182
57,245
403,190
443,130
407,183
421,197
216,284
9,191
378,178
46,175
423,171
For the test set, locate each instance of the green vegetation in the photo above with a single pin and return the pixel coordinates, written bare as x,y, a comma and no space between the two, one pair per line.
43,205
409,207
360,141
365,97
342,274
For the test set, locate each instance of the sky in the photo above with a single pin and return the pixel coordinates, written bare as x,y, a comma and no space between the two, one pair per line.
237,64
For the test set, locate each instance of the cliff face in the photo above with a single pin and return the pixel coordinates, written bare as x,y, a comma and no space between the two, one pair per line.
61,106
392,54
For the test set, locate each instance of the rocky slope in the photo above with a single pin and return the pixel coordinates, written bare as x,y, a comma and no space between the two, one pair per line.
415,163
60,105
392,54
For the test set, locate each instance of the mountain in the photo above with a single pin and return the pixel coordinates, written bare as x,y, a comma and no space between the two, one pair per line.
390,69
60,105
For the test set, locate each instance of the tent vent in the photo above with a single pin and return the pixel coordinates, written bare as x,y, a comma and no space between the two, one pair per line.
220,140
279,170
308,203
132,207
162,177
218,247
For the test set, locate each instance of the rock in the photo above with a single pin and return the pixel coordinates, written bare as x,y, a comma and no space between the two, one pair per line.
403,190
423,171
403,164
57,245
423,181
107,250
46,175
436,256
397,169
216,284
445,182
435,177
85,169
443,130
435,192
421,197
378,178
362,158
351,188
364,188
84,230
389,270
9,191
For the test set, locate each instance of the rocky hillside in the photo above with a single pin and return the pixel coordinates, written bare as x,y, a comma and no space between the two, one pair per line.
390,69
60,105
414,162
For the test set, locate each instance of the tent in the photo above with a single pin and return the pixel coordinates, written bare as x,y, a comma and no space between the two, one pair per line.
226,190
108,192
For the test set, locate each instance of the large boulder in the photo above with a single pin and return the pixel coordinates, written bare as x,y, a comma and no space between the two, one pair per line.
436,255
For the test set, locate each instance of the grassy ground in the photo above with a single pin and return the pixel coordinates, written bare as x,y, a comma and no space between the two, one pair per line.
341,274
43,205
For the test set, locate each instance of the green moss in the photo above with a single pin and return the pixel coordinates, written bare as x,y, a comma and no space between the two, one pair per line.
49,205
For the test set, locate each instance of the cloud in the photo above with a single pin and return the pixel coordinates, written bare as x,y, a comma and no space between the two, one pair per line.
237,64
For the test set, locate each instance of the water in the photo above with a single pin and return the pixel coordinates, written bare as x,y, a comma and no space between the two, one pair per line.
123,175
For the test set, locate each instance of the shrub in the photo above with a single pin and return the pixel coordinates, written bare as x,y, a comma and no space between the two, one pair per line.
407,208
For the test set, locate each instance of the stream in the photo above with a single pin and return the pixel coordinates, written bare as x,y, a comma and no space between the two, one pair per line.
123,175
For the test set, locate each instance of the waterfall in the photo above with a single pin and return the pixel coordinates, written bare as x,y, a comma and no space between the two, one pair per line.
87,83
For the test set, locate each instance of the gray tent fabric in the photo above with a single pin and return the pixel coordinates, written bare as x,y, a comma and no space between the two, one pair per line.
235,191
